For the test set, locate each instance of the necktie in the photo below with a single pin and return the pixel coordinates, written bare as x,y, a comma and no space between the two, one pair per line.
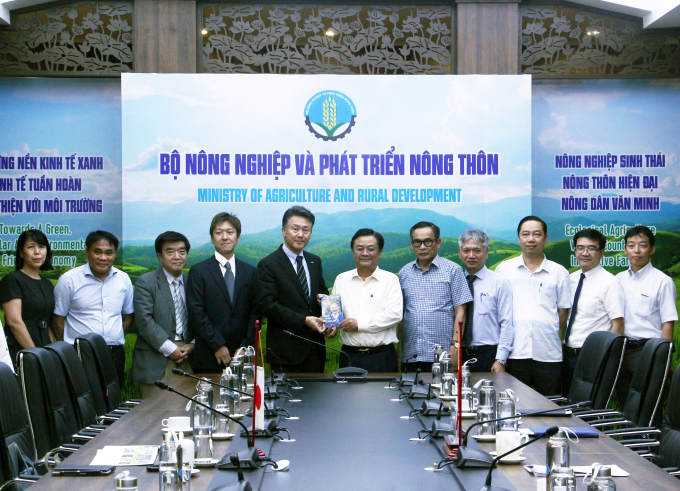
302,276
574,308
469,312
229,280
180,308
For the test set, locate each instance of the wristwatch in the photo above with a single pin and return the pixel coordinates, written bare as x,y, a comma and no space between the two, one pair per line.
455,344
504,363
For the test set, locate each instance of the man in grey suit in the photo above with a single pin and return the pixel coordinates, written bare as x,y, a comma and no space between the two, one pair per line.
165,338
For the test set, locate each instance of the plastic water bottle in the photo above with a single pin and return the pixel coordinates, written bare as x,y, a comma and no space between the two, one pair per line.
557,452
601,479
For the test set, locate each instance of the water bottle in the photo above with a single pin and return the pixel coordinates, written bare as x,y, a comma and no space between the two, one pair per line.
467,377
249,367
486,413
124,482
168,478
601,479
445,364
487,394
557,451
562,479
234,397
438,350
505,408
225,398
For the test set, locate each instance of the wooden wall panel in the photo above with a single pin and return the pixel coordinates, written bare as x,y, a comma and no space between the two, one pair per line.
487,38
165,36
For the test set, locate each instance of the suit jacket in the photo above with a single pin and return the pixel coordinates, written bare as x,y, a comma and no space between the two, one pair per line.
282,301
218,321
155,321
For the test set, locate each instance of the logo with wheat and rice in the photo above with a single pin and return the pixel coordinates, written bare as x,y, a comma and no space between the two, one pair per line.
330,115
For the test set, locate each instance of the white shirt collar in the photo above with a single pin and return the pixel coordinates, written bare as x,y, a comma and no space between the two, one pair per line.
594,271
223,261
642,272
480,274
291,255
171,278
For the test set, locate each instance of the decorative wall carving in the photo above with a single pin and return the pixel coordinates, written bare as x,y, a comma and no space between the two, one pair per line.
82,37
563,42
292,39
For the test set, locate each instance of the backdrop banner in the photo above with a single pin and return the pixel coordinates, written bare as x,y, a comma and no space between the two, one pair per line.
382,152
60,160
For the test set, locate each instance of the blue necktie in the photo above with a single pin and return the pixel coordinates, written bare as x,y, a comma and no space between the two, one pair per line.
229,280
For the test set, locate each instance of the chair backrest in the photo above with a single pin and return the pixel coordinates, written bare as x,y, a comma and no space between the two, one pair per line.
597,369
51,413
13,415
643,405
100,372
76,382
669,449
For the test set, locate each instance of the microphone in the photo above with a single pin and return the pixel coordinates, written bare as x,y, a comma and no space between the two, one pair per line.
343,373
242,484
440,429
473,457
277,378
487,486
407,378
177,371
164,386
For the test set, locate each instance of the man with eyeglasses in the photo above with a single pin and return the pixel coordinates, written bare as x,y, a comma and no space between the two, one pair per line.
650,303
540,305
435,293
597,301
488,328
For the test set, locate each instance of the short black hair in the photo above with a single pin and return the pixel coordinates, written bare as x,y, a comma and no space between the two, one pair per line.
225,217
171,237
592,234
367,232
431,225
640,230
40,238
533,218
97,235
297,211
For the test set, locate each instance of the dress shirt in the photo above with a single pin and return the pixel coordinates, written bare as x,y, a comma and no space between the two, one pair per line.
536,296
600,302
376,303
492,320
650,301
168,347
223,266
293,260
429,299
92,305
4,350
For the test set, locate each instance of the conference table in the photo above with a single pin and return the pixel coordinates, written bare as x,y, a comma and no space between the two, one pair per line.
355,436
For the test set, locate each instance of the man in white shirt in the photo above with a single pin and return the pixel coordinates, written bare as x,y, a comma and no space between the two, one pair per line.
372,305
541,302
597,301
4,350
96,297
165,336
650,303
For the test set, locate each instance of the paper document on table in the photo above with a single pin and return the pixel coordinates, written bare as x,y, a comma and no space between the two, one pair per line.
126,455
579,470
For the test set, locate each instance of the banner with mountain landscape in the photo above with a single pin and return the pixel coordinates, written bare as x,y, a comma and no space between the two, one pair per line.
374,151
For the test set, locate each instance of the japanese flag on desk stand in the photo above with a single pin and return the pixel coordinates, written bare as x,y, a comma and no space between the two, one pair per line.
258,392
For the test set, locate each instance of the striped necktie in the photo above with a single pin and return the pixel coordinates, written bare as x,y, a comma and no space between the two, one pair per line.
180,308
302,276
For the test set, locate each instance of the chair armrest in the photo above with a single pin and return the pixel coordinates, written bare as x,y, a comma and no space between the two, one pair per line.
603,423
597,413
670,469
29,477
633,431
556,399
640,443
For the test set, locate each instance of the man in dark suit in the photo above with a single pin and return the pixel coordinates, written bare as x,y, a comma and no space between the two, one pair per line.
221,299
288,283
165,334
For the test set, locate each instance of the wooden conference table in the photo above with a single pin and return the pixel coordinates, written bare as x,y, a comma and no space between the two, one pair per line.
352,436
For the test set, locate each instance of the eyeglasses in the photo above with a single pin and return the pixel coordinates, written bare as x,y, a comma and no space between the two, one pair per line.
426,242
581,248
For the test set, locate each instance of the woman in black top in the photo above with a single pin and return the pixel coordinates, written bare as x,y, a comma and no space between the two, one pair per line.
26,298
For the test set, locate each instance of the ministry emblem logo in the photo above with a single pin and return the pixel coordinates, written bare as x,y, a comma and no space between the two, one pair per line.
330,115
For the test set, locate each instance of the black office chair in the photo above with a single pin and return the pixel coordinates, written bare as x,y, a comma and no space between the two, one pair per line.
597,370
101,376
77,387
50,411
15,430
642,409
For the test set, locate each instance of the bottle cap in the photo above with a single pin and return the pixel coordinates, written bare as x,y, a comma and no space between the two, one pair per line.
487,383
604,471
125,481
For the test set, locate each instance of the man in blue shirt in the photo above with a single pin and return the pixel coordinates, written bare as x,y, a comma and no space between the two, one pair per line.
435,294
96,297
488,331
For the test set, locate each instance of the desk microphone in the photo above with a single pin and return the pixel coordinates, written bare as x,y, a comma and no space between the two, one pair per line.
343,373
487,486
472,457
407,378
242,484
